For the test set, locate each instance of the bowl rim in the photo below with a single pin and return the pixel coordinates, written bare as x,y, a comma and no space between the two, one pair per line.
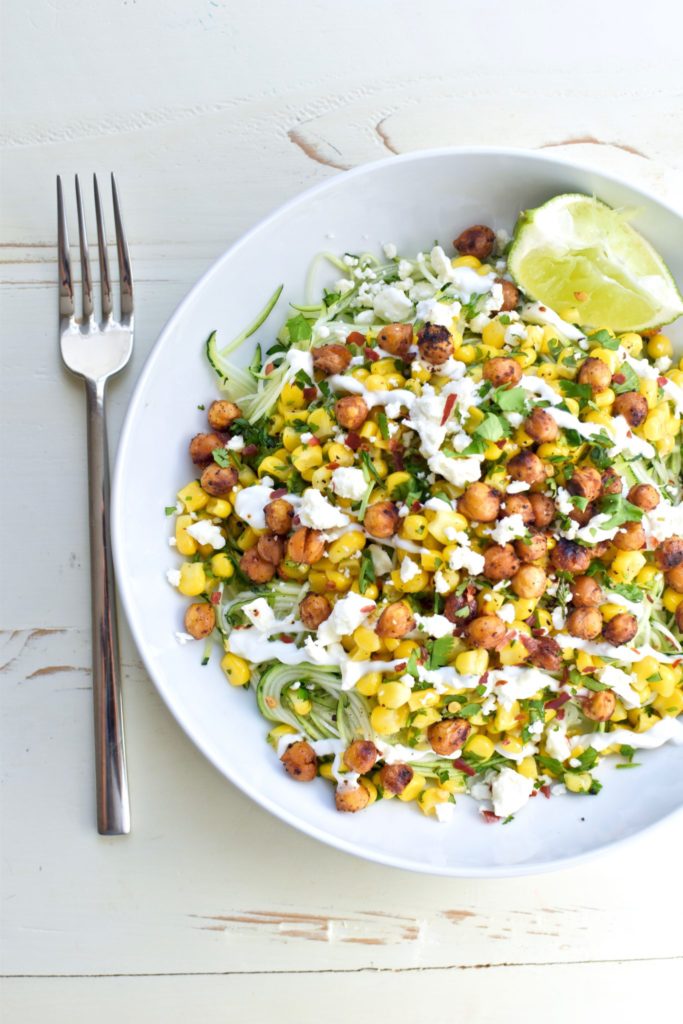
301,824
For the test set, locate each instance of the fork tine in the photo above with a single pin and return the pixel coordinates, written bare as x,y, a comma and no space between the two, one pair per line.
125,276
66,289
85,257
105,279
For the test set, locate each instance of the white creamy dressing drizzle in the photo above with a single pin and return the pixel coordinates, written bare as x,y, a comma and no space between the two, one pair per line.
627,655
666,730
536,313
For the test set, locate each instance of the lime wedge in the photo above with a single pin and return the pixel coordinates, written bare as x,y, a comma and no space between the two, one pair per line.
576,252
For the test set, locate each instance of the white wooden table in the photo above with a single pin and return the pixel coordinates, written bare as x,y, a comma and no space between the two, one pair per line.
212,113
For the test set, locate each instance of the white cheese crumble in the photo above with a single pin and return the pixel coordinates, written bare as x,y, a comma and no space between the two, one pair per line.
206,532
434,312
435,625
509,792
458,472
251,501
348,613
173,576
236,443
409,570
349,482
392,304
557,744
317,513
389,250
381,561
260,614
509,528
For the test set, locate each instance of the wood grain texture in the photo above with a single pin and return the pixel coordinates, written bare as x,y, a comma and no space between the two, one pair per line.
219,111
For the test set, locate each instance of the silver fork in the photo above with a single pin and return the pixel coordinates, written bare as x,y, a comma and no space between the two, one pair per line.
96,350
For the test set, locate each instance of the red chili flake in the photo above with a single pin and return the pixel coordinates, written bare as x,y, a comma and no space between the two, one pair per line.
333,465
286,638
541,309
448,408
501,443
560,715
353,441
368,608
416,506
546,791
490,818
483,680
558,701
618,378
662,381
310,394
278,492
313,442
370,354
249,449
215,598
463,766
269,367
355,338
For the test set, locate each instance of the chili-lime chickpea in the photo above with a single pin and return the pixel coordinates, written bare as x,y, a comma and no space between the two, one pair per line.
200,619
669,554
397,339
500,562
526,466
585,623
583,516
567,556
395,777
596,374
529,581
255,567
644,496
632,406
586,592
502,370
202,448
543,508
519,505
435,344
533,549
544,652
271,548
674,579
610,482
279,515
222,414
449,735
586,482
631,537
361,756
381,519
510,294
475,241
455,603
351,412
305,546
314,609
218,480
395,621
599,707
300,761
480,502
331,358
350,799
487,631
621,629
540,425
678,616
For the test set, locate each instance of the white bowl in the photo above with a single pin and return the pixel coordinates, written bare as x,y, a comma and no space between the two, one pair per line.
410,201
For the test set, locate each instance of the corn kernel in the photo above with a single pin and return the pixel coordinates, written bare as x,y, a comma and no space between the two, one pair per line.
423,699
369,683
366,639
466,261
222,567
607,355
527,767
429,798
455,785
236,669
494,334
671,705
346,546
292,397
659,346
185,544
578,782
339,453
393,695
387,721
320,423
219,507
413,789
472,663
506,718
626,566
633,343
193,497
481,746
192,579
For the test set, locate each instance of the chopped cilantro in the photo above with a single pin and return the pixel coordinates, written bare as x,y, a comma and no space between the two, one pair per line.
170,510
440,651
299,328
221,457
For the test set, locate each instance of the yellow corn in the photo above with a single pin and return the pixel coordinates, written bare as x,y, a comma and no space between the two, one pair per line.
387,721
527,767
193,497
472,663
247,539
272,466
308,458
648,388
671,705
339,453
413,789
423,699
320,423
185,544
192,579
222,567
236,669
414,527
506,718
481,746
366,639
494,334
369,683
219,507
429,798
604,399
454,785
411,586
395,480
659,346
466,261
626,566
346,546
292,397
607,355
646,575
467,354
578,782
633,343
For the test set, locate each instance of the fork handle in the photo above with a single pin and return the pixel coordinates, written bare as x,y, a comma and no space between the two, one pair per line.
113,808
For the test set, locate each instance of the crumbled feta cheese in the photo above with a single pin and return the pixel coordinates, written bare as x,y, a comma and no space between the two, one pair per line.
184,638
206,532
392,410
517,486
458,472
465,558
349,482
389,250
622,684
507,529
444,812
343,285
366,317
236,443
405,269
558,618
441,584
172,542
556,743
173,576
626,442
260,614
563,500
435,625
306,437
317,513
391,304
664,521
381,561
250,503
348,614
421,290
441,313
507,613
510,791
409,570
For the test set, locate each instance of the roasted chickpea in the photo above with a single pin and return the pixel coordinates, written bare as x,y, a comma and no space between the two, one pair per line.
487,631
595,373
510,295
480,502
279,514
621,629
543,508
502,371
669,554
674,579
397,339
540,425
202,447
533,549
631,537
305,546
331,358
520,505
351,412
644,496
300,761
222,414
529,581
455,603
435,344
314,609
526,466
586,482
500,562
585,623
361,756
395,621
599,707
200,620
678,615
611,482
544,652
632,406
350,799
586,592
218,480
381,519
583,516
448,735
475,241
567,556
271,548
255,568
395,777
